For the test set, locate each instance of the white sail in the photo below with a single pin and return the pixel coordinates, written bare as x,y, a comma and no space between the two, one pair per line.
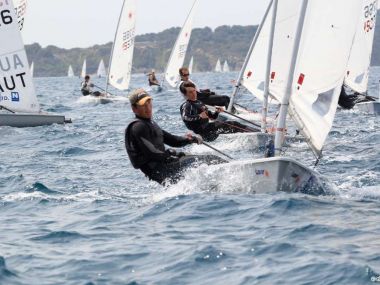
17,91
20,8
32,69
226,67
322,59
361,52
101,69
70,72
218,66
179,50
191,65
122,51
84,69
255,71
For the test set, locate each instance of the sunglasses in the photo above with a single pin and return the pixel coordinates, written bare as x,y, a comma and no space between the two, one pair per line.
188,74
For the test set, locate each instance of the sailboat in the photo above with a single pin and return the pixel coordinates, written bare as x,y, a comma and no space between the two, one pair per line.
191,63
84,69
179,50
17,93
32,69
226,67
218,66
101,69
360,57
120,64
70,72
307,84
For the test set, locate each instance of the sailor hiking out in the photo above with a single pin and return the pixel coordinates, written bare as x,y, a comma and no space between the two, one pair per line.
206,96
145,143
196,117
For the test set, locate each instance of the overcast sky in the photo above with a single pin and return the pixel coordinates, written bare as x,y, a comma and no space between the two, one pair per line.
83,23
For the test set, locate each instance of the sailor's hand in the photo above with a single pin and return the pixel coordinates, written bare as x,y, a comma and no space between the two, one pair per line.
91,85
171,152
219,109
197,139
203,115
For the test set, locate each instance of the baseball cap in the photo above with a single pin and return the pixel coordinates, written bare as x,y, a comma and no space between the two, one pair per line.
139,97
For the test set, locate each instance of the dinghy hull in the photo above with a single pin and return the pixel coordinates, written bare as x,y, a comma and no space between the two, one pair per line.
31,120
271,175
369,107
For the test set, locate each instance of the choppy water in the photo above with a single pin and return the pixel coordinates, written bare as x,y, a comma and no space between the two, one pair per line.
74,211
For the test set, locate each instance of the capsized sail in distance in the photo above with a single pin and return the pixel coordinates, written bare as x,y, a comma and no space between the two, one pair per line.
179,50
120,66
16,84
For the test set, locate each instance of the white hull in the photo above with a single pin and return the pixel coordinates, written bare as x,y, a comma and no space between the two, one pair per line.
369,107
271,175
31,120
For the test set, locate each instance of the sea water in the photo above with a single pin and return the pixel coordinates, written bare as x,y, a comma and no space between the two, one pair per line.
74,211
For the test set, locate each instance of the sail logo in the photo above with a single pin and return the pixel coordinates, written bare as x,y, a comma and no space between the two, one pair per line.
182,51
128,39
15,97
262,172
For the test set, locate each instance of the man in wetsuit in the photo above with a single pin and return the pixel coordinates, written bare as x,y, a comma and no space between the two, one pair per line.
144,141
197,117
204,95
152,79
86,88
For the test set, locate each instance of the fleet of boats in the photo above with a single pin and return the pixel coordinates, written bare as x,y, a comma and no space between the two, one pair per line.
303,53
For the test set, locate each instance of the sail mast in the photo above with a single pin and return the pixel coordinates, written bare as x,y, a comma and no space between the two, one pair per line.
113,46
264,112
280,130
253,44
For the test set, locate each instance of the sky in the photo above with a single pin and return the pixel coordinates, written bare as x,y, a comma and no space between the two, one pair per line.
83,23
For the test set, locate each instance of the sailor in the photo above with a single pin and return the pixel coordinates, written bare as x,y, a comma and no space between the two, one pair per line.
144,141
197,117
152,79
348,101
206,96
86,88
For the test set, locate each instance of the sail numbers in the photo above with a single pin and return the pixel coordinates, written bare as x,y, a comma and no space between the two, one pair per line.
5,17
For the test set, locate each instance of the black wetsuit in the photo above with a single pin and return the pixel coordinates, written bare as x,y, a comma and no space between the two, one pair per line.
348,101
144,141
210,98
190,113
